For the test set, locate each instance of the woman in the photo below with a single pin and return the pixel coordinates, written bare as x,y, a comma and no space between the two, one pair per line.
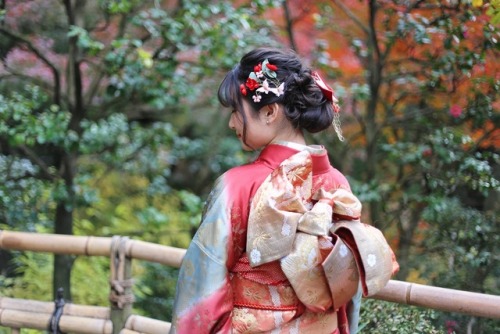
278,249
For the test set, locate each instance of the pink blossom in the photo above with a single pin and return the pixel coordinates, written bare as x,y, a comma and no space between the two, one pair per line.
455,111
451,325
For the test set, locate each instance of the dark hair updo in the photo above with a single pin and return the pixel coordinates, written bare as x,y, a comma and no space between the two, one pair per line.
305,106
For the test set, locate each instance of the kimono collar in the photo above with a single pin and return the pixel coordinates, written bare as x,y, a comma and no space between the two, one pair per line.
276,152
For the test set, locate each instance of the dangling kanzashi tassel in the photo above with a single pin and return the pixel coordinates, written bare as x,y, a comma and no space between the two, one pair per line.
330,96
336,121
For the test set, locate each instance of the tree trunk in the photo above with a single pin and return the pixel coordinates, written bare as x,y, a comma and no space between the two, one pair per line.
407,227
374,78
64,225
403,253
68,160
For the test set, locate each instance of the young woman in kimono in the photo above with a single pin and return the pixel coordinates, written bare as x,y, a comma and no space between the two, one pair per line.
280,248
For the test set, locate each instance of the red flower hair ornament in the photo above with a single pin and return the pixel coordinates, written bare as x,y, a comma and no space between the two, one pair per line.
263,80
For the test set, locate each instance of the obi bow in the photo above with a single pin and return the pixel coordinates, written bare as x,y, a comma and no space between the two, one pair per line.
323,248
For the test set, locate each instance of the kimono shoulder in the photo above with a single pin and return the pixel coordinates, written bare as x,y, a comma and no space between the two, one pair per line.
335,178
242,182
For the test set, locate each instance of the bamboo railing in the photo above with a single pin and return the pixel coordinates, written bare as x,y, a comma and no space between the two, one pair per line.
15,313
23,313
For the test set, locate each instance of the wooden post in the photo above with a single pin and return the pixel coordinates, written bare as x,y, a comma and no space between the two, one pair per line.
121,296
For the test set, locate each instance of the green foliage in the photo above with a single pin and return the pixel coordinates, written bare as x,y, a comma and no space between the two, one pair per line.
447,161
155,291
23,199
385,317
207,158
118,6
160,80
33,277
468,239
85,42
140,72
145,213
379,317
494,11
27,119
90,281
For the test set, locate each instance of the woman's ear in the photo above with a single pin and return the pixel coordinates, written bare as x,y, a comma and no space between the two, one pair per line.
271,112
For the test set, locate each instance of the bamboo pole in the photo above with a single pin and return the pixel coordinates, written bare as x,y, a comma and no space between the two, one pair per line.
146,325
36,306
129,331
89,245
99,312
170,256
67,323
471,303
72,324
55,243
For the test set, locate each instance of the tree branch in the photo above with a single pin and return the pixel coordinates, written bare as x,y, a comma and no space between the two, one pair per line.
373,31
38,53
390,44
352,16
94,85
16,75
486,135
37,161
75,77
289,25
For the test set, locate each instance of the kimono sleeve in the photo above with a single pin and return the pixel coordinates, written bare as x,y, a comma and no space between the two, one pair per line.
204,301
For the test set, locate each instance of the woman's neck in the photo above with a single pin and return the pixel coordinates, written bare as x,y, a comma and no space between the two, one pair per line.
292,136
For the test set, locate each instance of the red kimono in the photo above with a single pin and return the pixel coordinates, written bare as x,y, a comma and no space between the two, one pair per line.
281,250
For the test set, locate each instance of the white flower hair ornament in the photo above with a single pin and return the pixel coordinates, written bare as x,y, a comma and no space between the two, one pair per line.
260,80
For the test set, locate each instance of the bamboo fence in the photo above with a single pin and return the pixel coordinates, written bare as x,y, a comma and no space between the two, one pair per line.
84,319
16,313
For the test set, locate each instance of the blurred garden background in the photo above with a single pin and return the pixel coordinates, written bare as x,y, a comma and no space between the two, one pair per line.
110,125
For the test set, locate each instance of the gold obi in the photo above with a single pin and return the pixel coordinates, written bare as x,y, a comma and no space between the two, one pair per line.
323,248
